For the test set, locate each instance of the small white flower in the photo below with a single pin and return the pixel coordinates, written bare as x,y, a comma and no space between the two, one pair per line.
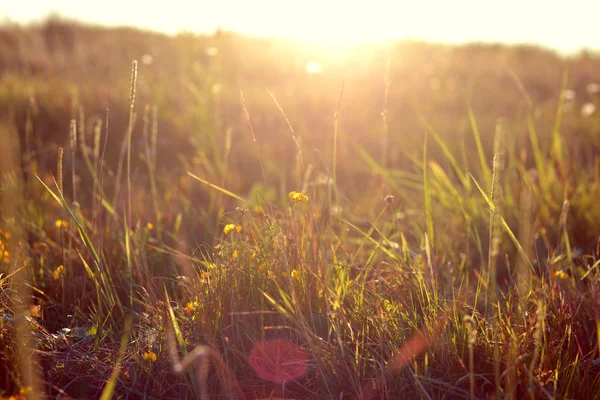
593,88
569,95
588,109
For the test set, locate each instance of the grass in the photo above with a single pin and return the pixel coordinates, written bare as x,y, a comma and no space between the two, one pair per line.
405,266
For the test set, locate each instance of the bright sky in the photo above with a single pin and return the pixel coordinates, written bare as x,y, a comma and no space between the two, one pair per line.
565,26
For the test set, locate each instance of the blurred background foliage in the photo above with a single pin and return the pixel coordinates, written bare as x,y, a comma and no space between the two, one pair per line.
60,70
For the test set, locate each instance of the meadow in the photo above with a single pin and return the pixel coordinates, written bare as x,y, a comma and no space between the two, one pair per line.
222,216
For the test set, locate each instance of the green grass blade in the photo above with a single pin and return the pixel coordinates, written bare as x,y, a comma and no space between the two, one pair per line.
504,225
487,174
176,327
447,153
557,148
220,189
370,239
111,385
278,306
80,229
427,194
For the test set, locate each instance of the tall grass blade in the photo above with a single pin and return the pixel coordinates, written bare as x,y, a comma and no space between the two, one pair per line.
505,226
487,175
111,384
426,188
220,189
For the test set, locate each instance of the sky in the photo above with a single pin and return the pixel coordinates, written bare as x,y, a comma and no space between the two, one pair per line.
558,24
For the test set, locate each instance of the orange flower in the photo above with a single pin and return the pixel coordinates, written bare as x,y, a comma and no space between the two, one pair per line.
150,356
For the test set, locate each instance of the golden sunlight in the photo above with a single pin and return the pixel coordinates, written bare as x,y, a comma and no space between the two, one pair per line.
340,22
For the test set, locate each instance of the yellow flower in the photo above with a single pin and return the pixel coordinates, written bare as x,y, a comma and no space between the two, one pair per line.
295,274
150,226
261,267
61,223
191,306
25,390
7,235
230,228
34,311
150,356
298,197
560,274
58,272
235,255
254,254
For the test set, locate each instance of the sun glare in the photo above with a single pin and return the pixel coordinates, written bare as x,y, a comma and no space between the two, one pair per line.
338,22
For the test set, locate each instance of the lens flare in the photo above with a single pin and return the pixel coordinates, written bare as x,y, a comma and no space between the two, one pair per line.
278,360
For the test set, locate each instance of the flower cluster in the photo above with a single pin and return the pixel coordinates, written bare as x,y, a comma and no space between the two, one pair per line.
57,273
150,356
562,275
61,223
4,253
230,228
298,197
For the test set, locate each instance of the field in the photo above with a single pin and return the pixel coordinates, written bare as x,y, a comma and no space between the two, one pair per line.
222,216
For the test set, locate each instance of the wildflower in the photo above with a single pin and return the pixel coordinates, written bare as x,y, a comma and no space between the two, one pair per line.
150,226
191,306
254,254
4,254
25,390
150,356
261,267
272,276
7,235
92,331
298,197
588,109
284,274
34,310
61,223
230,228
593,88
235,255
569,95
295,274
57,273
204,275
562,275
